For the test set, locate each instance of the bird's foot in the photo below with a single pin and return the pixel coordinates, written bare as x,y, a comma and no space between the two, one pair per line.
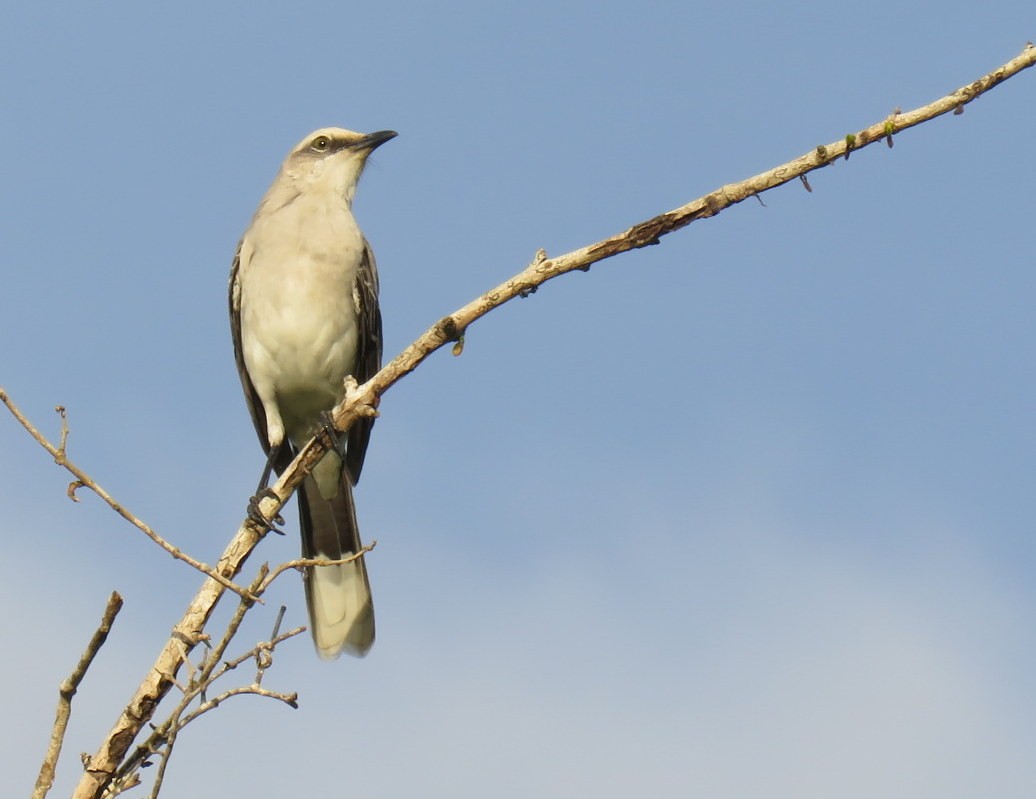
257,516
327,425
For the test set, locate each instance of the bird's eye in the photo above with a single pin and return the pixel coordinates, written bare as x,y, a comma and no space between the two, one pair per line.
321,143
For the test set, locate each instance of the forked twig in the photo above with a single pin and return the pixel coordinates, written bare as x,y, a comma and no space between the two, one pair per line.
83,480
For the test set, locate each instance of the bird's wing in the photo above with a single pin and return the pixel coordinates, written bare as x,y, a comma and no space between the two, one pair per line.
368,353
255,405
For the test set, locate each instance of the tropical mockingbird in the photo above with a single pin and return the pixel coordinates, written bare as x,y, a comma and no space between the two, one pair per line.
304,315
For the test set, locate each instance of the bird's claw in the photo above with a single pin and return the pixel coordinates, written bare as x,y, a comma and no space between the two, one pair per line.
327,425
257,516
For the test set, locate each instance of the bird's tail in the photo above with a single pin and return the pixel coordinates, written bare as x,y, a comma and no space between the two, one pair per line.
341,613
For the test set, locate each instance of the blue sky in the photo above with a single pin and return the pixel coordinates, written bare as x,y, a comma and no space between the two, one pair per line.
746,514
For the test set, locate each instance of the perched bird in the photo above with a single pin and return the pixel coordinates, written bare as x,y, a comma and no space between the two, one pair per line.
304,315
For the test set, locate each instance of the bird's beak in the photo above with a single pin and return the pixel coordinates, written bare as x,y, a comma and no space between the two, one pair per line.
372,141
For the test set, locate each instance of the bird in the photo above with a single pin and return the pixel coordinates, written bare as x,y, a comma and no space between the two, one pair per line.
304,316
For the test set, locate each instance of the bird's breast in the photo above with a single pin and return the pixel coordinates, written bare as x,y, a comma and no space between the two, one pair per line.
298,315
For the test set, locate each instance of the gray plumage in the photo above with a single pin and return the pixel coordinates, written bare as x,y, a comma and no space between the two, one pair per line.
304,315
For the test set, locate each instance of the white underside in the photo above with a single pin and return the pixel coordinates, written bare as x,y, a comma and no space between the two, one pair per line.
298,312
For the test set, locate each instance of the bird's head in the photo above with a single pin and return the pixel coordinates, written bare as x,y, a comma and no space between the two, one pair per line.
333,158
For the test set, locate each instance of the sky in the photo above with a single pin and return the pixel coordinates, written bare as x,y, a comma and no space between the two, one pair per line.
749,513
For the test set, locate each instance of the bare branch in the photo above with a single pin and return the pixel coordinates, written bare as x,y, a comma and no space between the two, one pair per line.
68,689
163,763
289,699
264,657
304,563
163,737
362,400
83,480
359,401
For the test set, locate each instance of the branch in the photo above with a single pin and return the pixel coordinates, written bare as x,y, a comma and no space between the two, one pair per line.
362,400
163,737
304,563
84,480
68,689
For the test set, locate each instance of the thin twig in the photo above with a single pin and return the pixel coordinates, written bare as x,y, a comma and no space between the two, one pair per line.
305,563
84,480
361,400
68,689
254,652
201,676
264,657
163,738
164,755
243,690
